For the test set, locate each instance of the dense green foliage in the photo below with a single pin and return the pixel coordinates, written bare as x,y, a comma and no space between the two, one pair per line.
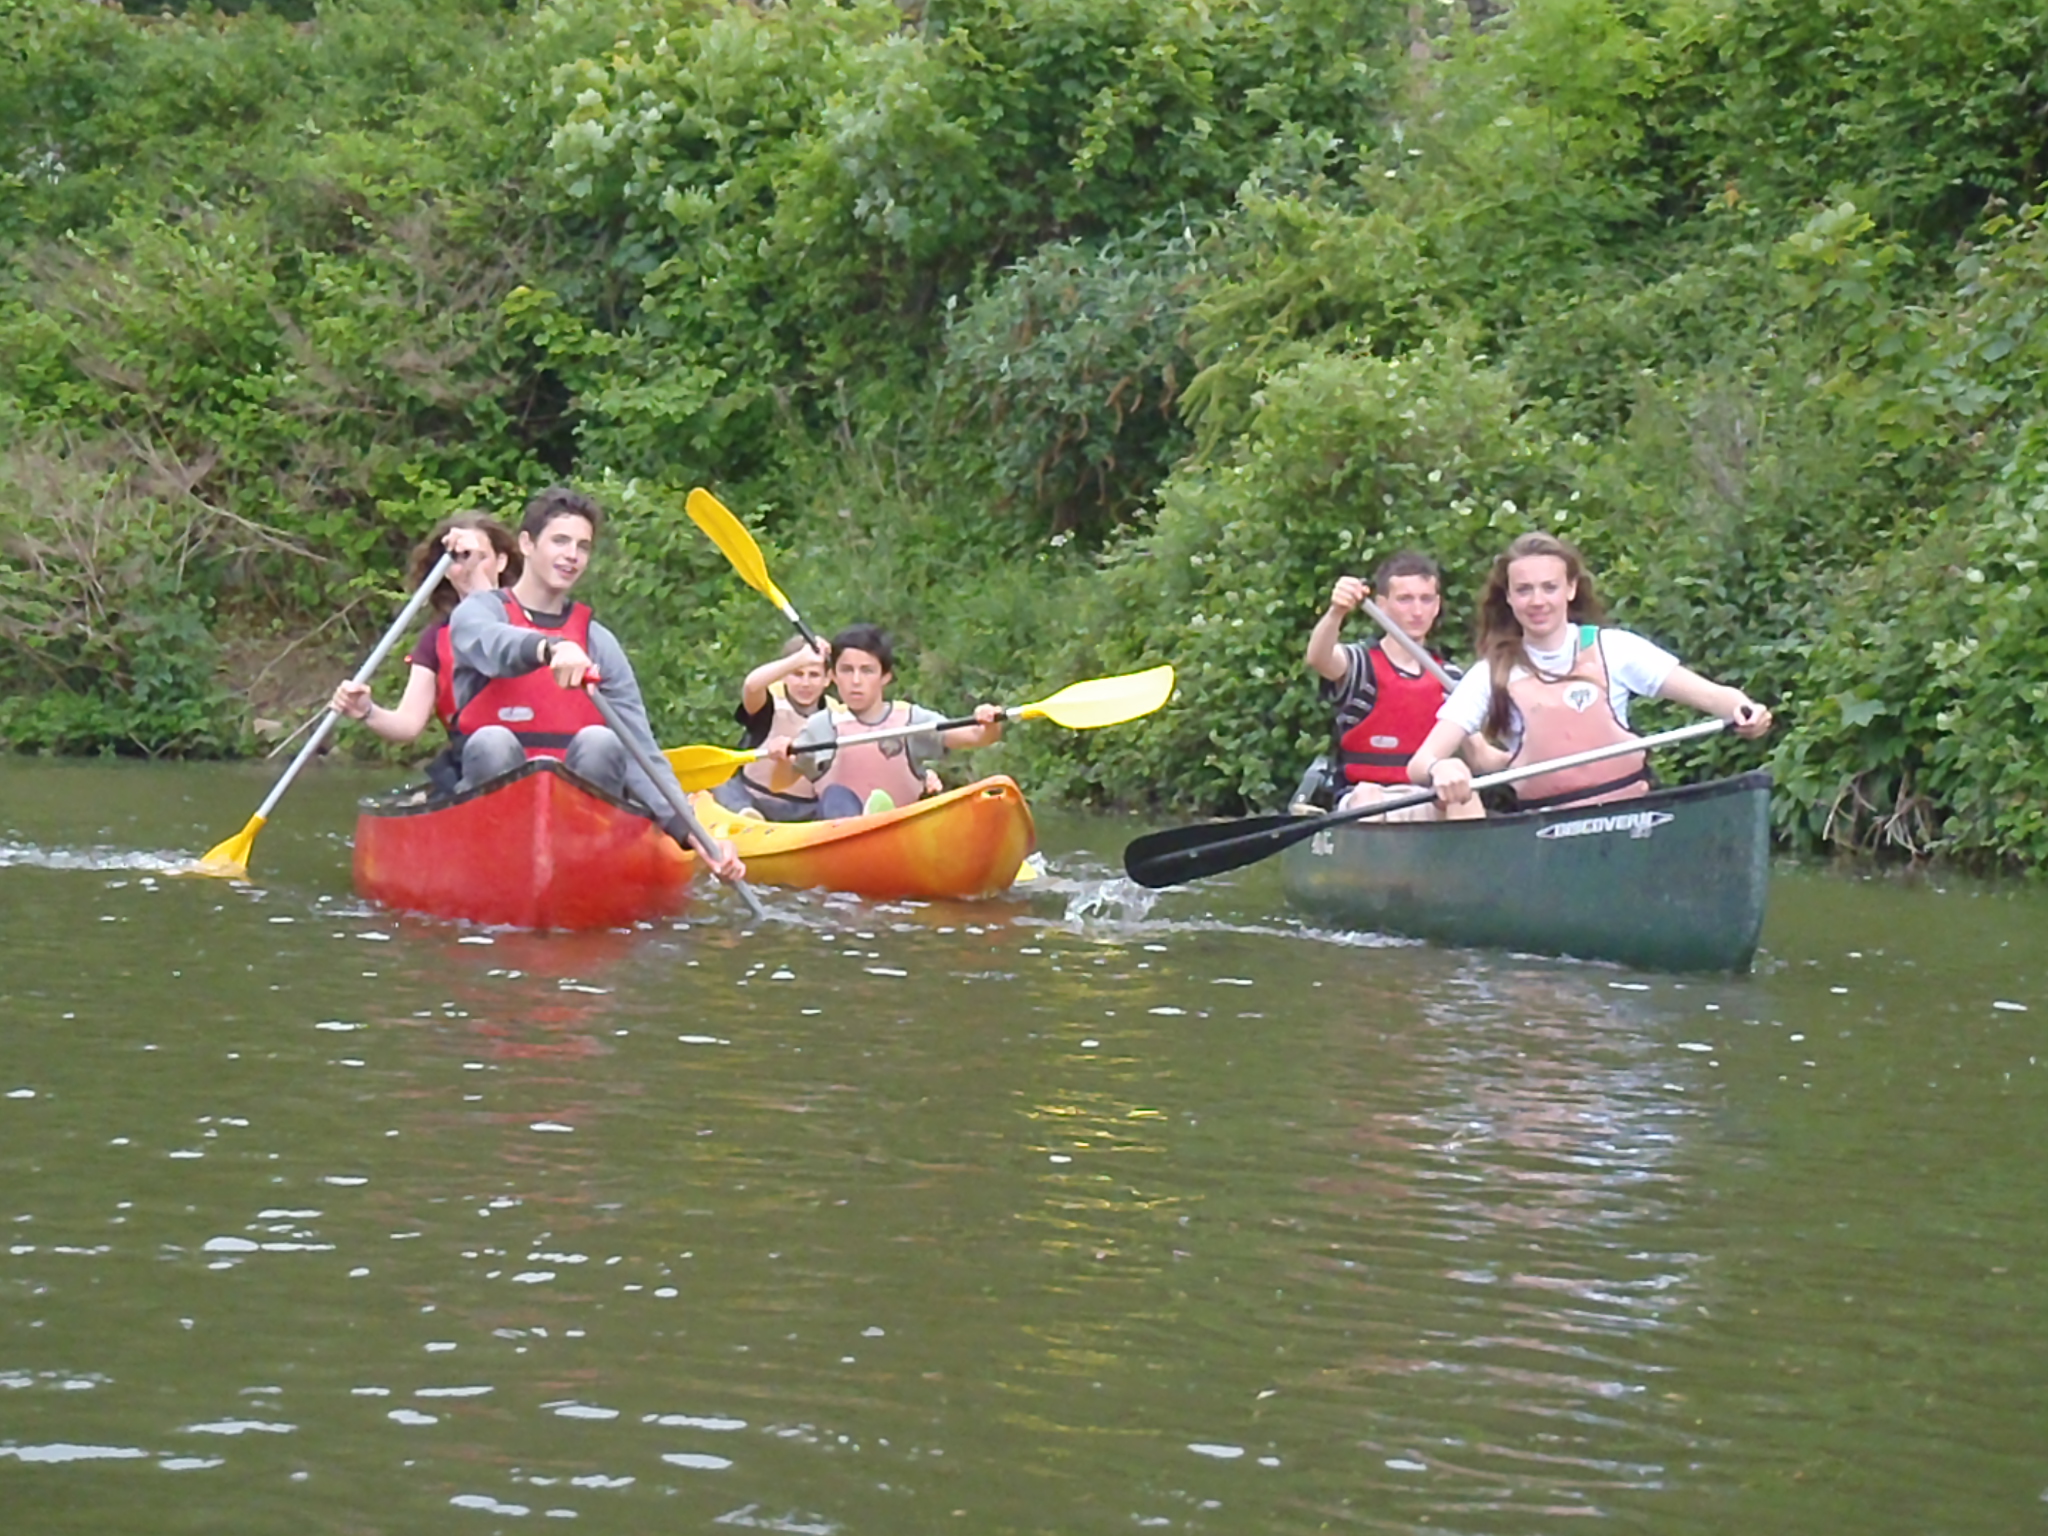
1062,337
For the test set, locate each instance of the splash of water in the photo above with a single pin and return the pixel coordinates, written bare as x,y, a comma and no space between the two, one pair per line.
1121,899
29,856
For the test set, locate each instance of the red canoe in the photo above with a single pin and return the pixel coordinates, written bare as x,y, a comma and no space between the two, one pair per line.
539,848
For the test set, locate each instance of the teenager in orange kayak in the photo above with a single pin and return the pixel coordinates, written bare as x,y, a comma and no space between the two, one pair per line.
878,776
1551,681
485,555
775,700
523,655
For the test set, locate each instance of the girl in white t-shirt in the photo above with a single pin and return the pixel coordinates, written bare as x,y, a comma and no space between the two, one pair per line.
1549,682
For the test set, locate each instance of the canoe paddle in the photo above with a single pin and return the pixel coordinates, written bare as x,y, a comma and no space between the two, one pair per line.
1212,848
230,859
1414,647
738,546
1083,706
706,849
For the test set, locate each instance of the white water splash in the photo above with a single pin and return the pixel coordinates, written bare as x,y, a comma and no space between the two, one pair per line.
30,856
1121,898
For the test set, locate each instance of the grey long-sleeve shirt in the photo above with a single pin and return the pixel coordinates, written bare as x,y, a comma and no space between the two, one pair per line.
488,645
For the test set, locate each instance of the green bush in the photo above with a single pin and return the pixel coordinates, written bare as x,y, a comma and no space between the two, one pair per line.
1061,338
1929,691
103,641
1063,379
1348,458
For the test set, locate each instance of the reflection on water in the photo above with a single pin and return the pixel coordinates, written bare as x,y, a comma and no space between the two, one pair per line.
1080,1211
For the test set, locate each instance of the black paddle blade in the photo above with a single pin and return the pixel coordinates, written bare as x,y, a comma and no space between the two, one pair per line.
1212,848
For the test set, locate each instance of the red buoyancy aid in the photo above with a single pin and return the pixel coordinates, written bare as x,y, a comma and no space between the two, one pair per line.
1570,714
869,766
444,676
1376,749
543,716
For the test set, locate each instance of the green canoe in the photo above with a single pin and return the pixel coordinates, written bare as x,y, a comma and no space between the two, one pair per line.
1673,881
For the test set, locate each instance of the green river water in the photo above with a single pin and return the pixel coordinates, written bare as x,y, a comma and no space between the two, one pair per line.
1085,1211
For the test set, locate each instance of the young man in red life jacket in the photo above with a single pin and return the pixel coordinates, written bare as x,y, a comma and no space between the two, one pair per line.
852,779
1385,703
521,656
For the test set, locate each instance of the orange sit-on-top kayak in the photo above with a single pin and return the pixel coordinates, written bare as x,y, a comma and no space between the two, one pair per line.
966,842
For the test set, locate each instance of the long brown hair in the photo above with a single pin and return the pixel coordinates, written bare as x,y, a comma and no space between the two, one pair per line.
429,550
1498,640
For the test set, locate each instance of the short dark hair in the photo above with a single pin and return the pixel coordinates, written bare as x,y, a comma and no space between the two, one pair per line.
1407,562
559,501
871,638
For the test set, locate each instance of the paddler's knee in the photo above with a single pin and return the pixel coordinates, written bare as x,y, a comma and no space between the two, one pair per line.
836,802
596,753
491,752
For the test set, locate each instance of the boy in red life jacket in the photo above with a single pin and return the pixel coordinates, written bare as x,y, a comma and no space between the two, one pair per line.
1384,702
521,654
884,774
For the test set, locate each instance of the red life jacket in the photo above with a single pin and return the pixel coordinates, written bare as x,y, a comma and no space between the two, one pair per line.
1574,713
444,676
1375,748
543,716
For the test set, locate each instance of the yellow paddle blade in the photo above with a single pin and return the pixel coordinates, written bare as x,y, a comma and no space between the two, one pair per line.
1103,700
229,860
734,542
705,767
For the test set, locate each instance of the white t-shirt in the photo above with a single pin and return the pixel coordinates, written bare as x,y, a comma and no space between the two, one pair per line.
1634,666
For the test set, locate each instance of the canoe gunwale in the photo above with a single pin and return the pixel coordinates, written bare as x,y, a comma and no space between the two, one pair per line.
1513,821
420,799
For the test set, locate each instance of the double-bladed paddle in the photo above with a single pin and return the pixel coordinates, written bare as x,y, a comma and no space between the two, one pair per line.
230,859
738,546
1212,848
1083,706
706,849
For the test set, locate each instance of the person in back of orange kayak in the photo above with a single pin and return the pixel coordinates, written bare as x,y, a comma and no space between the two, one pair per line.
856,778
1551,681
775,700
485,556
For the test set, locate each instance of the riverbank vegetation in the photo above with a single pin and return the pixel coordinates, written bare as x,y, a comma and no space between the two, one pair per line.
1061,338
